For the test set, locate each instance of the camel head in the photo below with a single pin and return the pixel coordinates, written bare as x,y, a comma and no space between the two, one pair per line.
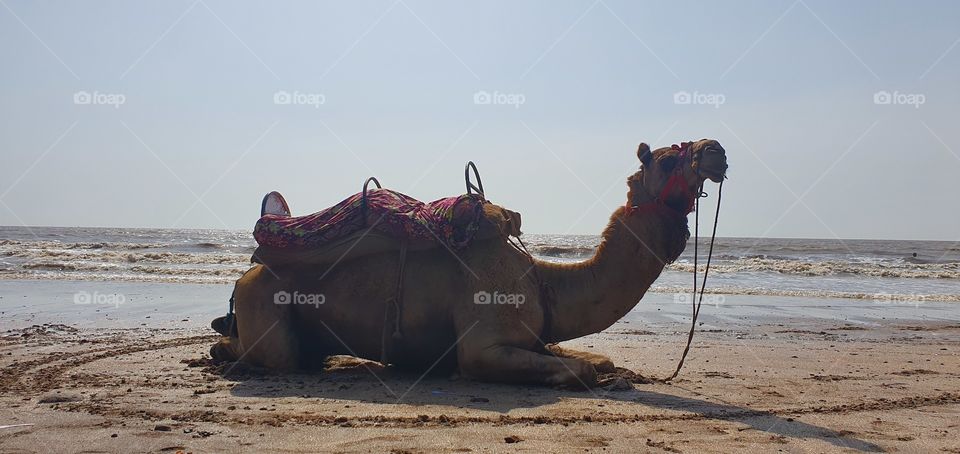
671,177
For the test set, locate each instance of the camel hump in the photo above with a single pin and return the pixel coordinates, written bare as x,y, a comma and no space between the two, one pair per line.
376,221
274,203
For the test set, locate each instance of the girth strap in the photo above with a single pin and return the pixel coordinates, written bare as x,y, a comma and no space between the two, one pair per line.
397,303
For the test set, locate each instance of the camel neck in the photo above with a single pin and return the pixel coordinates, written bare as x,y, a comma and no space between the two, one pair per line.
592,295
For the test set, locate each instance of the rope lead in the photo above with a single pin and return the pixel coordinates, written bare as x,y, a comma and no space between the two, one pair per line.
703,285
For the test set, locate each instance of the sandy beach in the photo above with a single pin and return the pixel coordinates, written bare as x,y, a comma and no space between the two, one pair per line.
766,374
205,205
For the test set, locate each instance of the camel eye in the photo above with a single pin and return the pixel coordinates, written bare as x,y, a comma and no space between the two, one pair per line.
668,163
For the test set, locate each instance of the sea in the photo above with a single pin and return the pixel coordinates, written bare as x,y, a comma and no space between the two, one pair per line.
882,271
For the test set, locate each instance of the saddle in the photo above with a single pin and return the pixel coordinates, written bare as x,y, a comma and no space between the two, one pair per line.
378,220
375,220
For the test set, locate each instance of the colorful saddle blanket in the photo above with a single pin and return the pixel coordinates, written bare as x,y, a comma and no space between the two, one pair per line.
453,221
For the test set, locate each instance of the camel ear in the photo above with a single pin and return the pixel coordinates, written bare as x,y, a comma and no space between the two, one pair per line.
643,152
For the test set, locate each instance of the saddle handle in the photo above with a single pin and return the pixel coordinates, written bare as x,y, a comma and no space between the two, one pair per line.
466,176
363,198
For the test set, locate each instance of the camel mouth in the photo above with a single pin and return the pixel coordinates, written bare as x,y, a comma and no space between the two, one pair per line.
710,160
714,175
714,167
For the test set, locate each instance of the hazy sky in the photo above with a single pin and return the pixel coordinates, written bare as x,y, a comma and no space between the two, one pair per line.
184,113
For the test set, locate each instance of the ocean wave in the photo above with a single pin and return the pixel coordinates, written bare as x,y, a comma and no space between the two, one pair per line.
113,272
209,245
123,277
229,276
159,270
68,266
826,268
76,268
563,251
33,255
879,298
82,245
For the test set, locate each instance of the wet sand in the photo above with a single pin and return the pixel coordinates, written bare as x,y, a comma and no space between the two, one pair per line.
790,375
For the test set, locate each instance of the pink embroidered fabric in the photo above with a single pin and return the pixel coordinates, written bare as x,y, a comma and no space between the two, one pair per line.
453,221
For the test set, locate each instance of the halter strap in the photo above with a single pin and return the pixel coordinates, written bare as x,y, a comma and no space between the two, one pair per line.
676,181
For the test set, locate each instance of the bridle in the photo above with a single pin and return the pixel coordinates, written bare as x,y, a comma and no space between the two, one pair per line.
658,204
676,182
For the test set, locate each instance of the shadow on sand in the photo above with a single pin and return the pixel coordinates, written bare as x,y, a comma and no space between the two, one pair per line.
371,383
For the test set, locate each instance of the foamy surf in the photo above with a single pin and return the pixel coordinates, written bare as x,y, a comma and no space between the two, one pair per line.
893,271
896,269
685,294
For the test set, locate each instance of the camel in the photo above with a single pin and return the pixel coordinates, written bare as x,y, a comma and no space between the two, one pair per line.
489,312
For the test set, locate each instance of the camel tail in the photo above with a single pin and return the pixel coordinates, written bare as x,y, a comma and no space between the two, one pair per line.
227,325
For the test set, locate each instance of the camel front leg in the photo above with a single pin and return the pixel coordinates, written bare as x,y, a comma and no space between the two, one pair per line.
503,363
601,363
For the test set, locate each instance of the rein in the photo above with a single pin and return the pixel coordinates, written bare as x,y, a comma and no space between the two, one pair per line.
696,303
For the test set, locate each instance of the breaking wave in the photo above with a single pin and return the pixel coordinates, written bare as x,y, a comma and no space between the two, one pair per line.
850,269
879,298
832,267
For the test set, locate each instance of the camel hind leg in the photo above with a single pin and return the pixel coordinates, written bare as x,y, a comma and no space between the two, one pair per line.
511,364
263,332
490,357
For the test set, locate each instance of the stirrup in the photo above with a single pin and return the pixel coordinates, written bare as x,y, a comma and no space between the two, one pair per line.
273,203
